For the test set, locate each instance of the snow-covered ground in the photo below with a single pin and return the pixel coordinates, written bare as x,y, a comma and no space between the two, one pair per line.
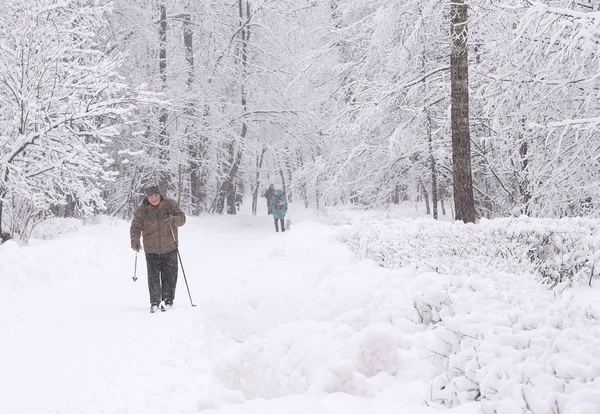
300,322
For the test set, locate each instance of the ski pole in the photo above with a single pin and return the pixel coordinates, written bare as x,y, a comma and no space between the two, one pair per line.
182,269
135,268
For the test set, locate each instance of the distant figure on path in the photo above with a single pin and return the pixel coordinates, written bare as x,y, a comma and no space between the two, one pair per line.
279,207
268,194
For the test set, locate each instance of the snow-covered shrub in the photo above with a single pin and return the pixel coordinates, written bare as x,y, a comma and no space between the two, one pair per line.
374,351
54,227
532,357
430,299
560,251
499,335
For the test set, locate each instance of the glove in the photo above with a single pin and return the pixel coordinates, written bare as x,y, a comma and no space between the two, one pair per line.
135,245
170,221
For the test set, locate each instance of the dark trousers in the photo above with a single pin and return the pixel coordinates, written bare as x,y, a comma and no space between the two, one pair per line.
277,225
162,276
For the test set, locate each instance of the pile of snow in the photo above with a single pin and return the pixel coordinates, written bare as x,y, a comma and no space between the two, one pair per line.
311,334
35,266
500,336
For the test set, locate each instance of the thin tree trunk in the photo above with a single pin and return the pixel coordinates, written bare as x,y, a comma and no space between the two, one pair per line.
1,211
488,204
524,190
461,143
434,180
425,197
194,144
317,191
203,173
288,168
283,184
303,187
227,189
428,128
179,185
163,138
259,162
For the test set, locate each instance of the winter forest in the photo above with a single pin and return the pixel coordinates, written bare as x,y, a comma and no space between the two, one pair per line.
441,160
337,101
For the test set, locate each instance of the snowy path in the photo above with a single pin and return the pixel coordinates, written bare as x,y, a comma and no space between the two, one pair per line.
275,315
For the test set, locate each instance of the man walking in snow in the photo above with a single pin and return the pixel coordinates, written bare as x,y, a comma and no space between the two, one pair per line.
156,219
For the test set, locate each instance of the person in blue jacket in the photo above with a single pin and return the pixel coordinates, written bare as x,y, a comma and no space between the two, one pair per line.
278,206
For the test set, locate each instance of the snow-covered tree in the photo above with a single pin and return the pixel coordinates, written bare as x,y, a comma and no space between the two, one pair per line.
61,102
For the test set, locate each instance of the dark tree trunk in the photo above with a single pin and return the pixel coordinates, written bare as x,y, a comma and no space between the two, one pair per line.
1,207
163,137
303,188
190,133
434,180
197,146
283,183
288,168
461,143
259,162
179,183
317,190
425,197
227,190
524,180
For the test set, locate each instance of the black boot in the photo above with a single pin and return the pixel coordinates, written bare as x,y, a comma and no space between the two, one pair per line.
276,226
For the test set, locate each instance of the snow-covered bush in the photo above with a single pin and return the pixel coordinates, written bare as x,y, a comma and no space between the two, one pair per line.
522,352
560,251
499,335
54,227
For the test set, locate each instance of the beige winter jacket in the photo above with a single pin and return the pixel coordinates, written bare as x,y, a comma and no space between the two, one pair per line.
157,226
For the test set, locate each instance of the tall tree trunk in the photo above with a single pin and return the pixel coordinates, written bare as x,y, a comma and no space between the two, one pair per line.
288,168
227,189
425,197
429,137
524,189
461,141
259,163
197,144
317,182
163,137
1,211
434,180
283,184
395,199
190,129
303,188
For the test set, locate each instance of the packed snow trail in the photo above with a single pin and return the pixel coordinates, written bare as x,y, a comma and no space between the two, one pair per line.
273,319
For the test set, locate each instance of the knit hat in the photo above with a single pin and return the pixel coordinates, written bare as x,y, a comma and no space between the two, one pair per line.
153,189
